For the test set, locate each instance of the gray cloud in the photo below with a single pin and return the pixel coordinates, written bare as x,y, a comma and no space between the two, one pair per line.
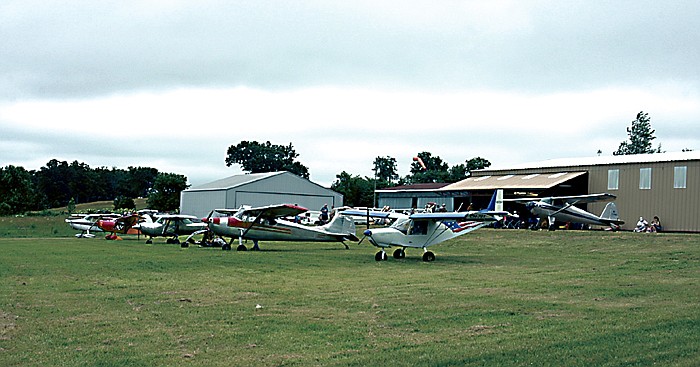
70,49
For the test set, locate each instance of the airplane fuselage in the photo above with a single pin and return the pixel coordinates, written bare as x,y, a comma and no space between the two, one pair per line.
280,230
569,214
418,233
157,229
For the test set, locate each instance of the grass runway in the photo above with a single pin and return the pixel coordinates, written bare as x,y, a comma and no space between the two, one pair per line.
492,297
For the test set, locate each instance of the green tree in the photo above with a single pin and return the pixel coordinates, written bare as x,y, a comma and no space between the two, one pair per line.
165,195
258,158
640,136
436,170
477,163
136,182
385,171
357,191
16,190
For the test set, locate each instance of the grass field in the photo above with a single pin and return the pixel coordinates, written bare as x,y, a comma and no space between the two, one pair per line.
492,297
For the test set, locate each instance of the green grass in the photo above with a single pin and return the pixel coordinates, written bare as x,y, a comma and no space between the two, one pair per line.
492,297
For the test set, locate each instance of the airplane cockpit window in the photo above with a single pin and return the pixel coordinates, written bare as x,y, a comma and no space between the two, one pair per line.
420,227
186,221
402,225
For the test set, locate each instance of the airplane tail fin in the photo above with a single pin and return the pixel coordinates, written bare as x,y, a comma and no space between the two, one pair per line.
496,203
342,225
610,212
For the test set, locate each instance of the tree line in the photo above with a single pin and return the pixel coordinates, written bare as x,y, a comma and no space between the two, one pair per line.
61,184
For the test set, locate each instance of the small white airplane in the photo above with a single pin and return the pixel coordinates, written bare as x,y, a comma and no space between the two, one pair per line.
171,226
267,224
88,222
421,230
562,209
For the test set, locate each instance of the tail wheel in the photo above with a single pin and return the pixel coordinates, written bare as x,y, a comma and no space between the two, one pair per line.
428,256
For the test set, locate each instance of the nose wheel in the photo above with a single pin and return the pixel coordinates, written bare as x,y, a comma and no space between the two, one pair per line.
380,256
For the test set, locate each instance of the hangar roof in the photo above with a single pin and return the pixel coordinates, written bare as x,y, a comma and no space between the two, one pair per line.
598,161
533,181
234,181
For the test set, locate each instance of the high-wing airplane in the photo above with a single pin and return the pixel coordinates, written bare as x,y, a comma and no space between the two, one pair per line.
88,223
422,230
267,224
122,224
171,226
562,209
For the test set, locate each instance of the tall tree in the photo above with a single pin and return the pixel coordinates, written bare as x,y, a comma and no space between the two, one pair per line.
640,136
477,163
258,158
385,170
165,195
436,170
357,191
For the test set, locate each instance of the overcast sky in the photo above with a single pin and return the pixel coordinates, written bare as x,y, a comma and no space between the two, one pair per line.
172,84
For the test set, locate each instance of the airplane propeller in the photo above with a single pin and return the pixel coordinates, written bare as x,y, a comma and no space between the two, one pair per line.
366,233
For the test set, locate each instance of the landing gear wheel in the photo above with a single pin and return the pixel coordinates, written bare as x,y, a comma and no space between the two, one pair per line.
241,248
399,253
149,241
380,256
226,247
185,244
428,256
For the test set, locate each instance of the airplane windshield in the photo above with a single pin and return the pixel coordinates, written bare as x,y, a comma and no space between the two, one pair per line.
402,224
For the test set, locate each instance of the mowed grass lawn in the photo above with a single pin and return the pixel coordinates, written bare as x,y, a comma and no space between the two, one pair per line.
492,297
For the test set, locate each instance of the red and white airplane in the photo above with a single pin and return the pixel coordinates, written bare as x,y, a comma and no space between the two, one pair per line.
268,223
123,224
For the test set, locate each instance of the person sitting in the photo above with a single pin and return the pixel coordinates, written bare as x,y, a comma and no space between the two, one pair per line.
641,225
655,225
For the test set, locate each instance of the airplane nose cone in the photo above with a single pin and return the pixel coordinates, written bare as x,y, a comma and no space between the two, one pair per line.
367,232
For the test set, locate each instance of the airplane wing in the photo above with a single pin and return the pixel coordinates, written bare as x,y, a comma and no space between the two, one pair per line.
178,216
574,199
592,198
471,215
364,213
275,211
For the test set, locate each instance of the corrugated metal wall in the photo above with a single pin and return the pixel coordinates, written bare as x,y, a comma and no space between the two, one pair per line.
678,209
284,188
200,203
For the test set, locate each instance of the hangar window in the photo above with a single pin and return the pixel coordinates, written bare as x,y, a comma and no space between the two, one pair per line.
679,177
645,178
613,179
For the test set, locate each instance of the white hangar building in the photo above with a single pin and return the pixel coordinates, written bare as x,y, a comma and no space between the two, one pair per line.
257,189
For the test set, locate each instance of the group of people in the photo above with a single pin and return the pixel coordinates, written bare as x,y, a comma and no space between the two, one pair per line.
644,226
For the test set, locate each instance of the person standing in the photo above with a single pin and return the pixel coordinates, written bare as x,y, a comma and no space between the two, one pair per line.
324,214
